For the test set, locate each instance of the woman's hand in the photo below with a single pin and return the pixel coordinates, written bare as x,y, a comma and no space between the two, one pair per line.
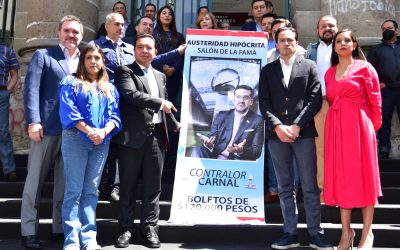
97,136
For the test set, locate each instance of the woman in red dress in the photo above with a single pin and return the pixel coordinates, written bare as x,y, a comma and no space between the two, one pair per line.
351,178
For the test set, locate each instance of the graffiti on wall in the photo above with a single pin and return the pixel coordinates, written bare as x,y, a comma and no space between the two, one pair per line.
345,6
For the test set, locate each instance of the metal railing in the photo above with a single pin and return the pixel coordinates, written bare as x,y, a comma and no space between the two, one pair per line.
7,32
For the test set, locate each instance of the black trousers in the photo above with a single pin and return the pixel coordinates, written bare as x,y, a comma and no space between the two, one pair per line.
145,163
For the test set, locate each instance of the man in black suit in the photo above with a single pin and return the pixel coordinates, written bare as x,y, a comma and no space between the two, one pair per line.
258,9
146,116
290,97
237,134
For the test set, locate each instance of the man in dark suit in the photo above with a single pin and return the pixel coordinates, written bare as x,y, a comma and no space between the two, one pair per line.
237,134
47,68
129,27
146,116
258,9
290,97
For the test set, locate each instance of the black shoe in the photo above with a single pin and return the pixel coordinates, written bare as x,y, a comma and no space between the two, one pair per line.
383,155
114,196
152,240
319,242
31,241
123,240
11,177
287,241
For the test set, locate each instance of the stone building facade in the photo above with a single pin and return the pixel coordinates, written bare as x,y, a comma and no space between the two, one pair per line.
36,24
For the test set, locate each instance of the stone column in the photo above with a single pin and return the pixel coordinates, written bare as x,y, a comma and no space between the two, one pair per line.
36,27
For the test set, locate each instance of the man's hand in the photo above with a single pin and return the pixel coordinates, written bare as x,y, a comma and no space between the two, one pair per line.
236,148
296,130
181,49
178,128
35,132
167,106
382,85
285,133
208,142
168,70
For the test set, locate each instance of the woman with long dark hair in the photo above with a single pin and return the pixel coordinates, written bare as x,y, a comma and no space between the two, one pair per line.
351,173
89,115
168,38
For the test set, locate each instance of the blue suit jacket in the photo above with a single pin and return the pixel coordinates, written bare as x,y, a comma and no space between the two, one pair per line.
47,68
250,26
251,129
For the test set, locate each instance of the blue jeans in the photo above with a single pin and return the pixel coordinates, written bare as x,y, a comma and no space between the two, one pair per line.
83,165
6,145
390,99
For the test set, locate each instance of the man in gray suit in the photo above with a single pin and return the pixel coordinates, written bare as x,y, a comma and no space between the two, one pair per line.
47,68
290,97
146,115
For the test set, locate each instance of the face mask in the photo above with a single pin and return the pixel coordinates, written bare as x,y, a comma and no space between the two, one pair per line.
388,35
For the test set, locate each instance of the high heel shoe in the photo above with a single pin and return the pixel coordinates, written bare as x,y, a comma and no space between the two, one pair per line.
369,241
350,242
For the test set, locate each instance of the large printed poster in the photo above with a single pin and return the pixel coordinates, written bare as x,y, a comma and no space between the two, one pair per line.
219,171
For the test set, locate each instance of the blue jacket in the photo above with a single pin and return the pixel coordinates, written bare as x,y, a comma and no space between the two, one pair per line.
311,51
251,26
47,68
79,105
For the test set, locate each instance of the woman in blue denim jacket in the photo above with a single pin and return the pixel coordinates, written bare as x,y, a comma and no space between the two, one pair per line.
89,115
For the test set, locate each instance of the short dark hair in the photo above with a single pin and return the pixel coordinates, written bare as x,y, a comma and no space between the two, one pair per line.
268,4
269,15
151,4
393,21
246,87
70,18
202,7
284,29
119,2
281,20
141,18
144,35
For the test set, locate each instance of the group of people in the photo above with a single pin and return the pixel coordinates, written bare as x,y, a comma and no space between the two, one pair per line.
115,99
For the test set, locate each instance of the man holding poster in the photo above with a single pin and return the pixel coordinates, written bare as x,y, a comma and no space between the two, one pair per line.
236,134
290,97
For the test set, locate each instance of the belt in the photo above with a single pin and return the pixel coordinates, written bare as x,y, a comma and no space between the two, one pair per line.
3,87
154,126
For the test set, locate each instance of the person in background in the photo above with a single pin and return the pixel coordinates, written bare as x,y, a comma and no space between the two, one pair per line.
206,21
258,9
320,52
351,176
89,115
128,28
385,58
9,66
168,38
46,69
150,11
224,25
266,22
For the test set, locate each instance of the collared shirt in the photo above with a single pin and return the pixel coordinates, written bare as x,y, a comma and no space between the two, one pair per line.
72,61
258,27
126,25
125,54
90,106
323,63
237,120
151,80
8,61
287,69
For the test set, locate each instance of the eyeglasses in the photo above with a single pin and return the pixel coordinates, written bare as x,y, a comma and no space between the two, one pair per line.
245,97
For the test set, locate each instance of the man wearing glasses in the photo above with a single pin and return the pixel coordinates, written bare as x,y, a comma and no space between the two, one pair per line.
237,134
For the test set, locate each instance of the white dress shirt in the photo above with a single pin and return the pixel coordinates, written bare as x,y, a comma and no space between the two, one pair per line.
72,61
238,118
154,91
287,69
323,63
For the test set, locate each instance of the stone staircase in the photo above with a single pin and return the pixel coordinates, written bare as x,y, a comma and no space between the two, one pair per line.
386,222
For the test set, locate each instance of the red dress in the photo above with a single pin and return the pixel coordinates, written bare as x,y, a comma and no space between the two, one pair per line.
351,172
